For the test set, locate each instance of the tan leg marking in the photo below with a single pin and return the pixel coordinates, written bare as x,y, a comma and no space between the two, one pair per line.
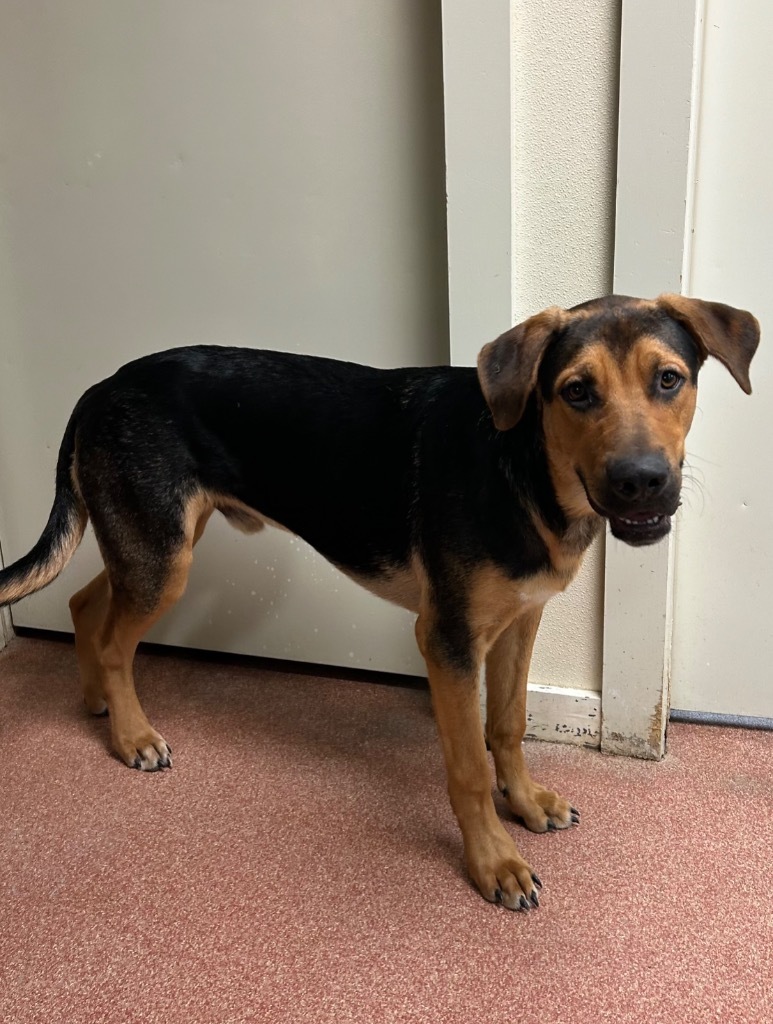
87,609
108,629
492,858
507,669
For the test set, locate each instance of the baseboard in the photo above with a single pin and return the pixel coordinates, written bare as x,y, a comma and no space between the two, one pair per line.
560,714
6,627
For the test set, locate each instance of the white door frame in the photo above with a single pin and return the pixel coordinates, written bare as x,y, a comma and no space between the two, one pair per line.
660,63
659,85
477,96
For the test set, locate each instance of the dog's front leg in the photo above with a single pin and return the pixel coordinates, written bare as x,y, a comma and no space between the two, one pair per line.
507,670
492,857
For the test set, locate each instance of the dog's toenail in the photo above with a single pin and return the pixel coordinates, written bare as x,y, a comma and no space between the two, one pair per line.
534,897
497,895
524,903
137,762
551,826
536,880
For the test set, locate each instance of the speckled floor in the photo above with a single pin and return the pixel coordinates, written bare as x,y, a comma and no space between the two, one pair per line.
300,864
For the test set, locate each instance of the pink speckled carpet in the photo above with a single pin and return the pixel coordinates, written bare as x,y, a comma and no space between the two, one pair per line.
300,864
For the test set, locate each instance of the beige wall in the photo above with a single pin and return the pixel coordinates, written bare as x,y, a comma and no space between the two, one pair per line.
149,165
564,114
264,173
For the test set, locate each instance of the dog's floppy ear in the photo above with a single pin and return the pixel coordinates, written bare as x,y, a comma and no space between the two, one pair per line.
730,335
508,367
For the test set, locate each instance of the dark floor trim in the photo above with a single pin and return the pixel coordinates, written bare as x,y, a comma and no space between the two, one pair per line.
362,675
711,718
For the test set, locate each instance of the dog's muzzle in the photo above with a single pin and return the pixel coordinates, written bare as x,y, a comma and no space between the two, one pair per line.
640,494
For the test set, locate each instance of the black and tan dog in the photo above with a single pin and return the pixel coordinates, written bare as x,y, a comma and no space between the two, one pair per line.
466,497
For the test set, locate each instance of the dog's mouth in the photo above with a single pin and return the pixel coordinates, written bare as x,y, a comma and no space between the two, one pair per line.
635,528
640,527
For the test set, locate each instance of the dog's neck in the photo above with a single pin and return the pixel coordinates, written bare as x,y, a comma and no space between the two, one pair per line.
548,489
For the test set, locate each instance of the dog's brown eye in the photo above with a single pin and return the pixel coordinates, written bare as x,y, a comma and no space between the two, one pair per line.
577,393
669,379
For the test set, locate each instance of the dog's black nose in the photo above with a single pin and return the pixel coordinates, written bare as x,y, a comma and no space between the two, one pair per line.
639,477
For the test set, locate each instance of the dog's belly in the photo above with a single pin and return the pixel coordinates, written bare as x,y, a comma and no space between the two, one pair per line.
399,586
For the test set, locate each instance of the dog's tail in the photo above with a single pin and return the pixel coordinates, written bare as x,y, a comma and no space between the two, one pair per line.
61,536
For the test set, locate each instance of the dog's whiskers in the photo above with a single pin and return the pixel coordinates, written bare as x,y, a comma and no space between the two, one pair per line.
693,483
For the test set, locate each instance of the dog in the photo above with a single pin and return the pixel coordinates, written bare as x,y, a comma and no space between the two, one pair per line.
468,497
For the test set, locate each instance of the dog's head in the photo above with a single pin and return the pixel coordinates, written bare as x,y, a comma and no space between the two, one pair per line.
616,382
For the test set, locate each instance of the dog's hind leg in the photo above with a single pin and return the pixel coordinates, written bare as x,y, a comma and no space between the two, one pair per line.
146,572
87,609
134,739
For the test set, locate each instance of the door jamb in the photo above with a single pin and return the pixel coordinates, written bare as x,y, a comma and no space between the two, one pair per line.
658,120
661,48
478,127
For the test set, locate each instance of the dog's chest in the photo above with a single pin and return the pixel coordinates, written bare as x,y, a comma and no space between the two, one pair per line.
536,592
523,595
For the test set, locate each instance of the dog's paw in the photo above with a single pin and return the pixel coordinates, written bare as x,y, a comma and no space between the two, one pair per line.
540,809
500,872
147,751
